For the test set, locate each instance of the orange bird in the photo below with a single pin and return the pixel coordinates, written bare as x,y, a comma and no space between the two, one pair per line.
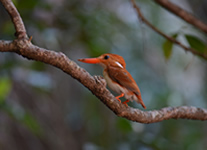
117,77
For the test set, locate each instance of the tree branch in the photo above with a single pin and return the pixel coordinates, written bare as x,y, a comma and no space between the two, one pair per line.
183,14
7,46
188,49
96,84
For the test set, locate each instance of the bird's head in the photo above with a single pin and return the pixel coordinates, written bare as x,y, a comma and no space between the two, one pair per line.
106,60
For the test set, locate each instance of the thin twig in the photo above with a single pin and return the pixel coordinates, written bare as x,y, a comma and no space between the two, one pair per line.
164,35
183,14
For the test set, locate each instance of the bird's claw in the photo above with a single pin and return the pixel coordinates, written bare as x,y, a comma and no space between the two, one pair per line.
125,102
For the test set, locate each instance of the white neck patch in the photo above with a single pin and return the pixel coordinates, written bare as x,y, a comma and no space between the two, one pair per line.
119,64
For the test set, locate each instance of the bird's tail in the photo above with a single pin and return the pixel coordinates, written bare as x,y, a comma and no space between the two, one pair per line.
140,100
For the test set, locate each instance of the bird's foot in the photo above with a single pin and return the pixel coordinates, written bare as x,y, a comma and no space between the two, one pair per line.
122,94
125,102
117,97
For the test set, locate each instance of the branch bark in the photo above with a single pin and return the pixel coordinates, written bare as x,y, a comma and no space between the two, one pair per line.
187,49
96,84
183,14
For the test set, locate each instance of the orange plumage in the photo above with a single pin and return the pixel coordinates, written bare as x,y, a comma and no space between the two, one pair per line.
117,77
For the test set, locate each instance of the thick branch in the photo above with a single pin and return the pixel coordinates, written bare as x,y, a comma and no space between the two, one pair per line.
7,46
16,19
96,84
183,14
164,35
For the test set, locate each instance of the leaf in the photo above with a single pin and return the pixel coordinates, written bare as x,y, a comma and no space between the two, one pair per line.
5,87
195,43
167,47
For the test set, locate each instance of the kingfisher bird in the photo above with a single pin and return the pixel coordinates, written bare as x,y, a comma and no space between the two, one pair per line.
117,77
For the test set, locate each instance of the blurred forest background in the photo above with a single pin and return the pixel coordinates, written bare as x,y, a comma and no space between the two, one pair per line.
42,108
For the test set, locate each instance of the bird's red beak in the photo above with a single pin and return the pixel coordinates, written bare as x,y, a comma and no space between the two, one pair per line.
90,60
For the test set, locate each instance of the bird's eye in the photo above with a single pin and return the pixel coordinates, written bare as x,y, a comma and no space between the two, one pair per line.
106,57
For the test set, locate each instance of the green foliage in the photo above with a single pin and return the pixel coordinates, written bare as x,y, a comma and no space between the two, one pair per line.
195,43
167,48
5,87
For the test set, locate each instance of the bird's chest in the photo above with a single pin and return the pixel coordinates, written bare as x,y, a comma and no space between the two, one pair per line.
113,85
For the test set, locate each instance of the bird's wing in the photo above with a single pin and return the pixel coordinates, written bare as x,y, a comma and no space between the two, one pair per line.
123,78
